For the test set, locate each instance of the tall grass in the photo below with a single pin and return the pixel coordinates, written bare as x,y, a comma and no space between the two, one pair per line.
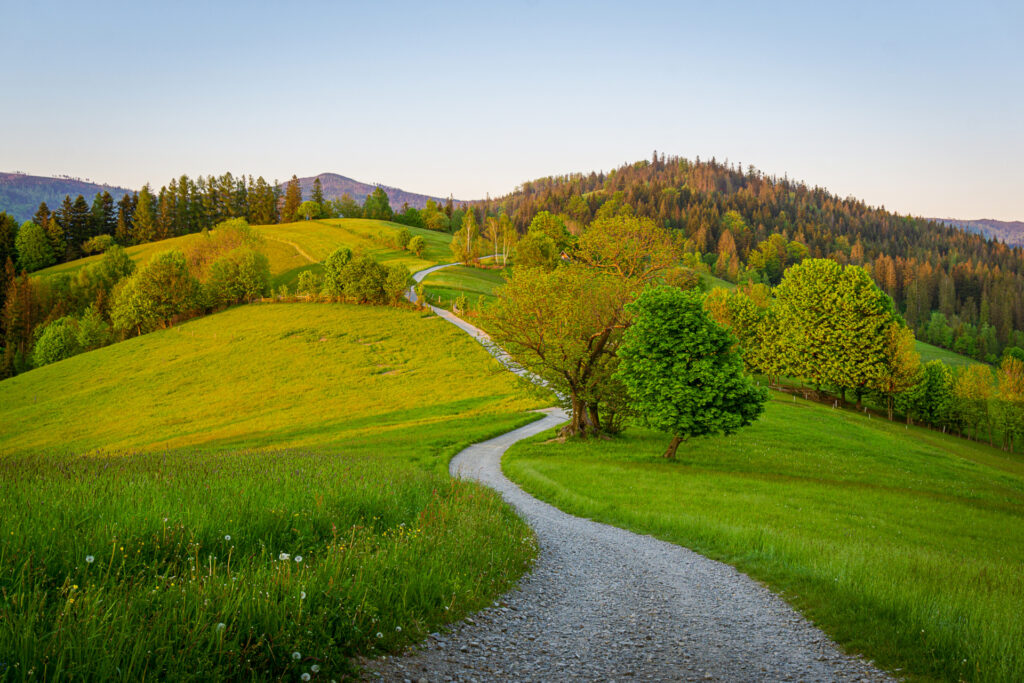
152,544
904,544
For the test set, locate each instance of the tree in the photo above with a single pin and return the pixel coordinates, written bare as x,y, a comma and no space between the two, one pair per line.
318,192
553,226
377,206
464,241
33,248
93,330
901,367
1010,395
309,209
417,245
930,399
102,216
240,275
346,207
333,284
681,370
403,238
59,340
160,291
144,216
562,325
308,284
833,322
972,391
398,280
292,200
629,247
536,250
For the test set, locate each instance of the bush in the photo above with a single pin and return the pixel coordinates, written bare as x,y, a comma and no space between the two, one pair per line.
403,238
417,245
98,244
308,284
59,340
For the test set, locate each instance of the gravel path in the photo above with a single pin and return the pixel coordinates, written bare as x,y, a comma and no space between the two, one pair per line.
606,604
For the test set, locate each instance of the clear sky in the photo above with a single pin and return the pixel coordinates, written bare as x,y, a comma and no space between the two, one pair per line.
915,105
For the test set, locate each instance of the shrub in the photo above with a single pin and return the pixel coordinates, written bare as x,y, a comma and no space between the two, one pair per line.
417,245
59,340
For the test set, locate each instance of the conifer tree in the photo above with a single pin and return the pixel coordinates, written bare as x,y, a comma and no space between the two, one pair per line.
292,200
318,191
144,216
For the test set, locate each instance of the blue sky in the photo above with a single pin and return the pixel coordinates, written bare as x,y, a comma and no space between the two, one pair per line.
915,105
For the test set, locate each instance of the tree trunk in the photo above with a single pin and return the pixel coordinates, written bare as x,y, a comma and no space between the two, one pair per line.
670,453
578,425
595,417
889,407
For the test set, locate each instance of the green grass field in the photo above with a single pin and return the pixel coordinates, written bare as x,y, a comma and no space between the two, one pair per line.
140,253
906,545
444,286
950,358
177,467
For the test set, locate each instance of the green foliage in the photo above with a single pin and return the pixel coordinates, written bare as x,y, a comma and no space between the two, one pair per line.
398,281
241,275
417,245
333,267
59,340
403,238
161,291
93,330
681,371
309,283
33,249
376,205
930,399
536,250
98,244
292,200
551,225
309,209
464,244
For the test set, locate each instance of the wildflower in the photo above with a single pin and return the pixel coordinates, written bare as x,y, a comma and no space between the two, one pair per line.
315,668
398,628
298,558
221,626
379,634
296,655
304,677
283,556
227,537
302,595
89,559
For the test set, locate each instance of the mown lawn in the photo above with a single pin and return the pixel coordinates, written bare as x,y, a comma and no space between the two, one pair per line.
206,501
906,545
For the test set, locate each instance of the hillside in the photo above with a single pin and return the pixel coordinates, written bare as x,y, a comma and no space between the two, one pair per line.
20,194
906,545
267,481
336,185
1011,232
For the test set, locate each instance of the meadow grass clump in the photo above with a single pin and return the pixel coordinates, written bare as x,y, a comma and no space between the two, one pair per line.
186,565
904,544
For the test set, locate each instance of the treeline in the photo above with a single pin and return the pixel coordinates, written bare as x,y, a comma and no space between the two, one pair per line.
745,226
832,328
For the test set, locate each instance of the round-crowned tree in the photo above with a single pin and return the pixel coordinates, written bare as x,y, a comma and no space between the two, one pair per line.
681,371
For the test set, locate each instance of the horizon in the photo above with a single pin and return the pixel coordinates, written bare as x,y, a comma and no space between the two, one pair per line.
915,108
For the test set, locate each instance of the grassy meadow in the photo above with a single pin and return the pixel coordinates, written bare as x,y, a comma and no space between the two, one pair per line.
950,358
906,545
258,494
444,286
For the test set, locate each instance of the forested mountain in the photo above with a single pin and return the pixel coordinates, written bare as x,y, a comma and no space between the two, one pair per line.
1011,232
335,186
21,194
956,288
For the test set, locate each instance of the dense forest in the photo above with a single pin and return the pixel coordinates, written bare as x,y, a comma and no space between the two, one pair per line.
956,289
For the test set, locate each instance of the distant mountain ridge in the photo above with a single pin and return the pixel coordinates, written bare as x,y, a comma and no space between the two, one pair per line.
1011,232
336,185
20,194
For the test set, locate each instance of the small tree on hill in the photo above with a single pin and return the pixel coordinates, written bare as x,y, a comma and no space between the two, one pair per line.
309,209
681,371
417,245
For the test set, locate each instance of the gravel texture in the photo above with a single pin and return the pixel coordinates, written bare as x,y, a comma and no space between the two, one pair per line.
605,604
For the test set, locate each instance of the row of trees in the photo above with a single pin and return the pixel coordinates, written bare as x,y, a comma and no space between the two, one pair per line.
833,328
743,225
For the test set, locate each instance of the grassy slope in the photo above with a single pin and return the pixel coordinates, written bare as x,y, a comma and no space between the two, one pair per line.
908,546
314,429
951,358
444,286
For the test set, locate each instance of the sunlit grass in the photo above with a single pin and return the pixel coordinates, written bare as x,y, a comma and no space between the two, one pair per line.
149,489
951,358
443,287
907,545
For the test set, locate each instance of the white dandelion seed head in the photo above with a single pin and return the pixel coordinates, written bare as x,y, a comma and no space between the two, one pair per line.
90,559
379,634
315,668
227,537
283,556
302,595
296,655
398,628
221,626
304,677
298,558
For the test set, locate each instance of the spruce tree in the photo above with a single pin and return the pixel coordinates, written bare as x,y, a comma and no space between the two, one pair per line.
292,200
318,191
144,217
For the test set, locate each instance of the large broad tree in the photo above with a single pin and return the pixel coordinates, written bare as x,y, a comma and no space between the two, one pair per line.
682,371
33,248
563,325
634,248
159,292
377,205
833,322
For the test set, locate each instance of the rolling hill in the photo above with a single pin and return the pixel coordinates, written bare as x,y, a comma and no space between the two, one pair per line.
1011,232
336,185
20,194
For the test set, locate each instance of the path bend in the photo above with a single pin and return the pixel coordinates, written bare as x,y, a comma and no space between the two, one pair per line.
606,604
